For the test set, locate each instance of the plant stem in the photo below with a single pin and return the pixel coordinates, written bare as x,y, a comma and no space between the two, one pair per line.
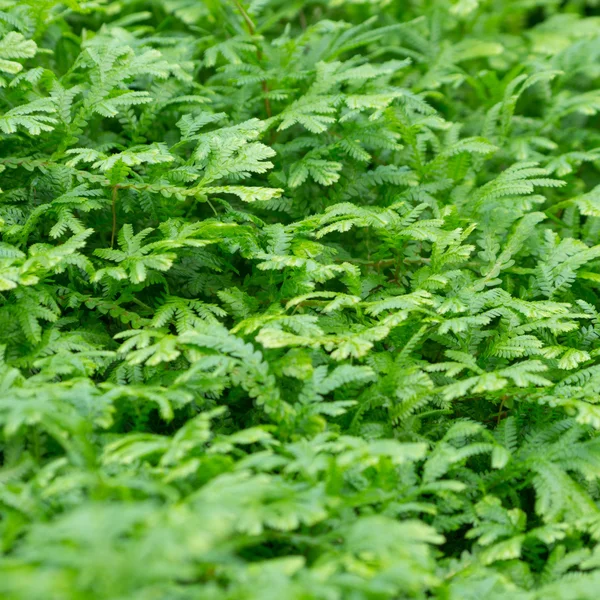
114,216
259,55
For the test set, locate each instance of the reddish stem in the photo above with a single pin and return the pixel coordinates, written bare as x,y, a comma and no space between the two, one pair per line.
259,55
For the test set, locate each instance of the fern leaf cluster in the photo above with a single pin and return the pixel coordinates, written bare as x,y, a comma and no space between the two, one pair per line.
299,299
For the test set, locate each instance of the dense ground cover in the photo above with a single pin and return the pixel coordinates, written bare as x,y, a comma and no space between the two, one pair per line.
299,300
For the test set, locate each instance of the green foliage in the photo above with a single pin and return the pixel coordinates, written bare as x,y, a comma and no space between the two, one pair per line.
299,299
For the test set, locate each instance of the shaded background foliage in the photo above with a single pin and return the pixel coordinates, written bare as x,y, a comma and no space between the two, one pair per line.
298,299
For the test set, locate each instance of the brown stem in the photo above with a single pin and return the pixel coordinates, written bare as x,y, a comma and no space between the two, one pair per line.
259,56
245,16
114,216
500,411
265,89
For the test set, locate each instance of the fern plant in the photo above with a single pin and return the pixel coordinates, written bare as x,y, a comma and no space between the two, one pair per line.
299,299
